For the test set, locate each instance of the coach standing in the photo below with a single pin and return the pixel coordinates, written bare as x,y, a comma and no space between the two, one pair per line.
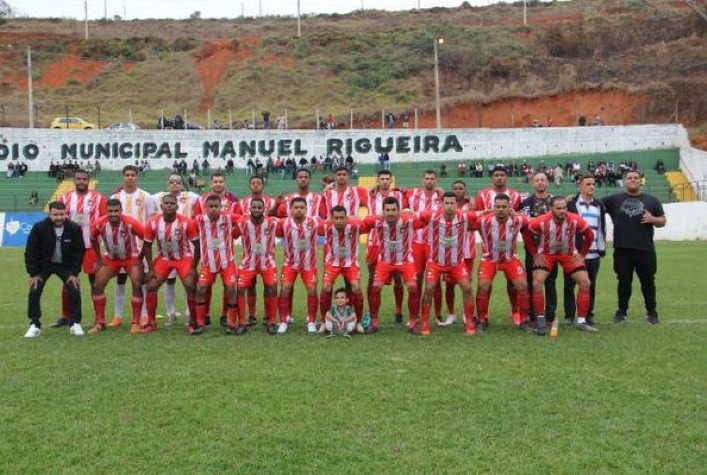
635,214
54,246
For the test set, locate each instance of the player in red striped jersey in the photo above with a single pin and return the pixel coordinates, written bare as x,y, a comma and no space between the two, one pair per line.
446,237
313,200
258,234
427,198
84,207
499,233
216,230
376,197
175,235
228,203
340,193
119,233
395,254
484,201
299,235
557,231
341,241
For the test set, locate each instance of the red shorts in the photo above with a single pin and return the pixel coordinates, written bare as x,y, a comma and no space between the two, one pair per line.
384,272
566,261
120,264
421,254
513,269
452,274
90,260
163,267
228,276
246,277
372,254
289,276
351,274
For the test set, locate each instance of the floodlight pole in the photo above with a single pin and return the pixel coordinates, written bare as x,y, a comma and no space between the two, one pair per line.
299,22
85,12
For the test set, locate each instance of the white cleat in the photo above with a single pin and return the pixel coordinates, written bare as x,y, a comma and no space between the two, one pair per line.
171,319
451,320
33,331
312,328
290,320
282,329
76,329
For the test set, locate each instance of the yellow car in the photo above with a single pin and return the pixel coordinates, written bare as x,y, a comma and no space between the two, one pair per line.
71,123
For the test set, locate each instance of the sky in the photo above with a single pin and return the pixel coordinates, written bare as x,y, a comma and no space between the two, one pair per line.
180,9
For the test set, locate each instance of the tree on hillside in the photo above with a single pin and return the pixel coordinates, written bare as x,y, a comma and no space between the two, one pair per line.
5,9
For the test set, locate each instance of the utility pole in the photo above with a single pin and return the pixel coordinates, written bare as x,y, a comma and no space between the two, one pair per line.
260,8
105,10
438,108
85,12
299,22
30,98
525,12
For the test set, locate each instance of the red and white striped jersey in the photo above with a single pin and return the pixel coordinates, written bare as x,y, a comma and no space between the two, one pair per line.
299,241
139,204
84,209
216,240
419,201
242,208
314,205
470,236
228,202
258,242
186,201
120,241
352,198
485,197
173,239
498,238
341,246
446,238
395,240
375,207
558,237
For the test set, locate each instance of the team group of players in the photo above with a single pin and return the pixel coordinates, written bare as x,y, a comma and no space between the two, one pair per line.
415,236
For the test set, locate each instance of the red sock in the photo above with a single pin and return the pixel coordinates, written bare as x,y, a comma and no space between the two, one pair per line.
284,302
374,304
469,314
191,303
358,308
523,300
241,310
414,304
232,314
271,308
251,305
136,303
513,299
224,303
426,309
539,302
582,303
324,305
437,299
65,303
99,307
449,298
151,303
209,291
398,291
291,303
201,314
482,305
312,304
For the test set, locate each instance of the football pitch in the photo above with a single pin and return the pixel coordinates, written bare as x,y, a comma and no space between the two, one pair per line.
630,399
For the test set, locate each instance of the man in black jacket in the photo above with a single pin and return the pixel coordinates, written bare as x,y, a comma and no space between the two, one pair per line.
54,246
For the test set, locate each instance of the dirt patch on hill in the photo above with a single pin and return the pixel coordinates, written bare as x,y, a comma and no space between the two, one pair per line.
70,69
699,141
287,62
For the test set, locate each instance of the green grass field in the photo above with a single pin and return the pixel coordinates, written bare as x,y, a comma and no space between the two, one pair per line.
630,399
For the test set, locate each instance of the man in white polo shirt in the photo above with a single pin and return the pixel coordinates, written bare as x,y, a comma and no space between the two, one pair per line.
594,213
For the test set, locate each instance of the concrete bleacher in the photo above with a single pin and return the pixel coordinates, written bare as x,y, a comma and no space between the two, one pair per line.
15,192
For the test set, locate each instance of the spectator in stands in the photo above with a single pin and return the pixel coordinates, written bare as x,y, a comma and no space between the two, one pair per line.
195,167
328,163
10,170
443,171
582,121
33,198
349,162
405,118
390,119
558,175
549,122
597,120
660,167
205,166
329,122
313,163
270,165
23,169
266,120
250,167
461,168
230,166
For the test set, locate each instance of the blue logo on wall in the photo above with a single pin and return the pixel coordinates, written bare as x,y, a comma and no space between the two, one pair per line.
17,228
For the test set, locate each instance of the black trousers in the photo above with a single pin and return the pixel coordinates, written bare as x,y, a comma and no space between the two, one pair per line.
34,310
645,264
550,289
592,266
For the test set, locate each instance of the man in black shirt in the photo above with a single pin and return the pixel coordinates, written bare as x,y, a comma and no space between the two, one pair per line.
635,214
54,246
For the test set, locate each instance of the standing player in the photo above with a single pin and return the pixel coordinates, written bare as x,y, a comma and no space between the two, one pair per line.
216,229
427,198
340,193
395,254
484,201
175,235
139,205
258,233
84,207
499,234
342,233
186,200
375,208
228,203
447,231
120,233
299,239
557,231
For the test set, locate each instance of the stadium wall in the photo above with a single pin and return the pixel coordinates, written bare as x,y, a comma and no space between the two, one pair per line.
686,222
